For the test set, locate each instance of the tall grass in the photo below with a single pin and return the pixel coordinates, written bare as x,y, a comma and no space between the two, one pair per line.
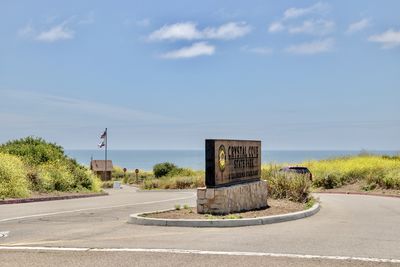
372,170
129,177
174,182
291,186
380,171
13,182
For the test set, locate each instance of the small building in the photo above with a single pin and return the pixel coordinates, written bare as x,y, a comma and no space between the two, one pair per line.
102,171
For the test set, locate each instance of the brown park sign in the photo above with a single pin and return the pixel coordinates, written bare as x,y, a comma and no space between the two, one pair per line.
231,162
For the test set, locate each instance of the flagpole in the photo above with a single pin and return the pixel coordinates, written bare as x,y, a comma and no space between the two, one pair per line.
105,163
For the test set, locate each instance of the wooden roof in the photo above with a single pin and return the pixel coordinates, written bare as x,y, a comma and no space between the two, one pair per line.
98,165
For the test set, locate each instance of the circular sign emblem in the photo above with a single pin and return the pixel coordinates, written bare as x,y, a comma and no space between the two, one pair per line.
221,158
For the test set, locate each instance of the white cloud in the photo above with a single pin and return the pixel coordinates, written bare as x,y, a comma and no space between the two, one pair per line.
195,50
358,26
294,12
311,48
56,33
189,31
261,50
309,26
178,31
276,27
51,32
231,30
388,39
314,27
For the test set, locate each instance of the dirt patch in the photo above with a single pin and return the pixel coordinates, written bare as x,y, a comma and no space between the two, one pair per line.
275,207
359,187
35,197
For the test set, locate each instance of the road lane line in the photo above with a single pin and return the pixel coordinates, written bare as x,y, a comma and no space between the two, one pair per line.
203,252
89,209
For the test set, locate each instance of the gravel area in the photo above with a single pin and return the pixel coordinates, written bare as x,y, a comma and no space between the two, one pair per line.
275,207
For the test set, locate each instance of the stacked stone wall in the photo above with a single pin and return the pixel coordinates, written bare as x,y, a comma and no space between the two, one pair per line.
230,199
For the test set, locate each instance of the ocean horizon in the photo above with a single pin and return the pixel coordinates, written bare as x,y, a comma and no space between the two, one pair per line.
195,159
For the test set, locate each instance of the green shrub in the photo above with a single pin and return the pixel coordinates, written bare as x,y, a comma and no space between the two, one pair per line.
33,179
181,172
371,170
391,180
395,157
55,177
13,177
34,150
150,184
163,169
117,173
331,180
310,203
295,187
368,187
144,175
48,168
175,182
183,182
86,180
107,184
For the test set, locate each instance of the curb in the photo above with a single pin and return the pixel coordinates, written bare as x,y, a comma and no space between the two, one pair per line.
39,199
357,193
138,219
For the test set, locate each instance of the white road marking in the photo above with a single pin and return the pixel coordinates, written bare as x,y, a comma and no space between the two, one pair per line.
204,252
88,209
4,234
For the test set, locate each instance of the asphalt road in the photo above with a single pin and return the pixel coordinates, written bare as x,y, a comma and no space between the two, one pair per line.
349,230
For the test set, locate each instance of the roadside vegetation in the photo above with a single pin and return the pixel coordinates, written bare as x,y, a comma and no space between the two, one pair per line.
291,186
164,176
168,176
281,186
128,177
368,171
32,165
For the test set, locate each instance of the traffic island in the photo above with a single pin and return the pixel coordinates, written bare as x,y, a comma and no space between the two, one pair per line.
234,194
179,218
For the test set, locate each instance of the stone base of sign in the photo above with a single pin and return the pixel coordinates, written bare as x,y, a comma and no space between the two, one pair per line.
231,199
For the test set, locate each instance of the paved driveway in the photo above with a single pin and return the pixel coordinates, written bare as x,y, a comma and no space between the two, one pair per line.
347,226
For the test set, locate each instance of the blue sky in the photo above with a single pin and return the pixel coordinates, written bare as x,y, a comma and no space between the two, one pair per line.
169,74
